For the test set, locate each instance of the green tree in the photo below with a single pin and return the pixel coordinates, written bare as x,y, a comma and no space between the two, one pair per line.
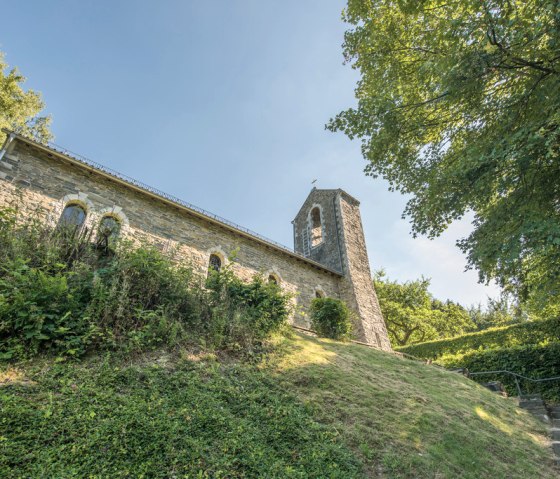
19,109
459,107
501,311
413,315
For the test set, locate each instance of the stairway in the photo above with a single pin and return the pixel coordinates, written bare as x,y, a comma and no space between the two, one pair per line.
534,404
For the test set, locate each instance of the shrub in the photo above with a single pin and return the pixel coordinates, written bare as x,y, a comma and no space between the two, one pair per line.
63,294
330,318
530,360
538,332
252,311
40,310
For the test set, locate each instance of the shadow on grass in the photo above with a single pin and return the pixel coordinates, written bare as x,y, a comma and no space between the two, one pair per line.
311,408
407,419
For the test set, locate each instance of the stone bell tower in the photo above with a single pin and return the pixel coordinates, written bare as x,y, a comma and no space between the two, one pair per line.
328,229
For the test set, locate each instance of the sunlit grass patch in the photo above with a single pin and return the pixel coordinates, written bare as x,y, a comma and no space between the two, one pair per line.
307,408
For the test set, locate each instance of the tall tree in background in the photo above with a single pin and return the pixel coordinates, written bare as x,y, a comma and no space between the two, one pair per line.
459,107
19,109
413,315
501,311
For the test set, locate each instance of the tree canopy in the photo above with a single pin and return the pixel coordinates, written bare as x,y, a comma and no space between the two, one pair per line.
459,107
500,311
19,109
413,315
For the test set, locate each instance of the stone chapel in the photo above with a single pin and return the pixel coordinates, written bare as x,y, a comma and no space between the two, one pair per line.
329,256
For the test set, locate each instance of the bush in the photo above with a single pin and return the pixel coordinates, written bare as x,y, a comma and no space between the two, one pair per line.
63,294
529,360
538,332
250,311
40,310
330,318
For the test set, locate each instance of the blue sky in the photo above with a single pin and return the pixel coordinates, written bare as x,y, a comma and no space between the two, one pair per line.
223,104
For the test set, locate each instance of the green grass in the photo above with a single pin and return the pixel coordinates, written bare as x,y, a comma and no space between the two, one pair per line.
310,408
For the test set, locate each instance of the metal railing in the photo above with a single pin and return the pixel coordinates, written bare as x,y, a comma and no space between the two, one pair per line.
515,376
139,184
174,199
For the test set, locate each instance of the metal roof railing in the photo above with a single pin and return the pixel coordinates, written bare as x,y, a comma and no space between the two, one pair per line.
174,199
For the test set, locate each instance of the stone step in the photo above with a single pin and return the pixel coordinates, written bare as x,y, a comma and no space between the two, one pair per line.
555,412
525,400
542,417
530,407
534,407
540,413
556,447
534,402
531,397
556,423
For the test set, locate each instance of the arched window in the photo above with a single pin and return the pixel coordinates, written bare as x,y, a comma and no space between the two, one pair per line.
109,228
272,278
316,226
72,218
319,293
215,263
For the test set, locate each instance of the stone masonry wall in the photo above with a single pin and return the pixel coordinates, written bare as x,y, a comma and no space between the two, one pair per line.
344,249
357,287
43,182
329,251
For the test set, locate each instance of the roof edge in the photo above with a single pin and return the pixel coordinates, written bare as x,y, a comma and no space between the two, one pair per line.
136,185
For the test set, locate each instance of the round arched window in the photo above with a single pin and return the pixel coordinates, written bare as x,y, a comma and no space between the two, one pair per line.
316,226
73,217
109,228
215,263
272,278
319,293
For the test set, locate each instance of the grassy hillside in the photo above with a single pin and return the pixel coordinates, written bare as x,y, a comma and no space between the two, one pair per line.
531,349
310,408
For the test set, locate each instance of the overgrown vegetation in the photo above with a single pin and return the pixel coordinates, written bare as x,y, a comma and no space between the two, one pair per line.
192,417
532,361
309,408
63,294
330,318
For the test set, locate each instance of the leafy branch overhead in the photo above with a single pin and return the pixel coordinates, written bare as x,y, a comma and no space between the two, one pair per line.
459,107
20,110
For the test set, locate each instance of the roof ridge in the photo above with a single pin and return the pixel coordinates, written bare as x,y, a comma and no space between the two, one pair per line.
201,212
